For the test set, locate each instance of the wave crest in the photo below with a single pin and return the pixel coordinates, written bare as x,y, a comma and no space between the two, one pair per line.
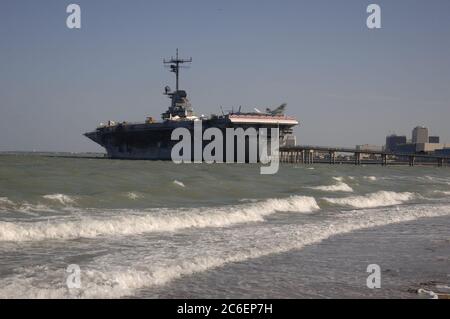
442,192
108,281
378,199
156,222
5,201
133,195
339,187
61,198
178,183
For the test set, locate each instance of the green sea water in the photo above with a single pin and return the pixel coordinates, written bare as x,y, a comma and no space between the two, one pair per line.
134,226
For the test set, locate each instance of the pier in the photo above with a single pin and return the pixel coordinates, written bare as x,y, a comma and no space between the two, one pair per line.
307,154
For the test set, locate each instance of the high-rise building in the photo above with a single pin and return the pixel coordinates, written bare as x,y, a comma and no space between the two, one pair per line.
393,141
434,139
420,135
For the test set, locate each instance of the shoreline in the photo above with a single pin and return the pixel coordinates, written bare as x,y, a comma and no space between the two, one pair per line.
410,258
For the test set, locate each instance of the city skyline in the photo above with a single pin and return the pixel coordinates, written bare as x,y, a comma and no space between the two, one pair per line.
346,84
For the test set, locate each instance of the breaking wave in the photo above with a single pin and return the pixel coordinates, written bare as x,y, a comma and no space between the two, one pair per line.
6,204
32,208
133,196
6,201
61,198
378,199
442,192
155,221
26,208
178,183
118,282
339,187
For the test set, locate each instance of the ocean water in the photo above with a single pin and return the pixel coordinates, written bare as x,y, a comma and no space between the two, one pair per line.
156,229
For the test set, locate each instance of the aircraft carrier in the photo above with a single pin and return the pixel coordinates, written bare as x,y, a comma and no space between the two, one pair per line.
151,140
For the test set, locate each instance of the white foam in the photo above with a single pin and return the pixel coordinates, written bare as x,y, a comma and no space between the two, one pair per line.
6,205
443,287
167,221
179,183
339,187
61,198
371,178
132,195
109,281
378,199
434,179
27,207
442,192
24,207
5,200
429,293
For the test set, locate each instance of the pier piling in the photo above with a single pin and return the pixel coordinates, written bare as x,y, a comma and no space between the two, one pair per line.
310,154
384,160
357,158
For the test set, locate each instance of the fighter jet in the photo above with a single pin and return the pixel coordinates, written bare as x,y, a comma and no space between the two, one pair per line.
278,111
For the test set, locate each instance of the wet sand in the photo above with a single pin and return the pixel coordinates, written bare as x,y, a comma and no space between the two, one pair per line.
412,256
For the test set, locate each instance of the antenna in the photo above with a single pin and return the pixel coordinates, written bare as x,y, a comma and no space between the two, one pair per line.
174,64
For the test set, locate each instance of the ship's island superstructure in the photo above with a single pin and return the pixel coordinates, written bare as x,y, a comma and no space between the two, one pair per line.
151,140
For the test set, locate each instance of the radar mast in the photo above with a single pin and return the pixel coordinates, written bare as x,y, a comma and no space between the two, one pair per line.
180,107
175,65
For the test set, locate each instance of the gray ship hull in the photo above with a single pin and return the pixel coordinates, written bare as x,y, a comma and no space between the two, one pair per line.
152,141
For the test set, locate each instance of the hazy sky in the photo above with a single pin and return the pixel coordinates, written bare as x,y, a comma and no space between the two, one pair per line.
345,83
